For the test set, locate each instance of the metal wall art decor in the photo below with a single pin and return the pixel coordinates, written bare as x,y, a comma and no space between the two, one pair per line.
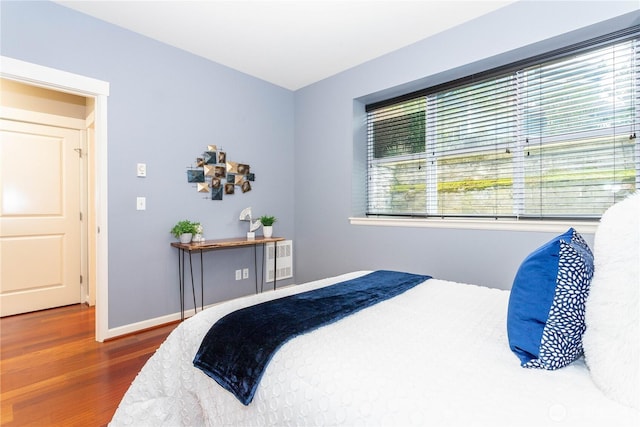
213,174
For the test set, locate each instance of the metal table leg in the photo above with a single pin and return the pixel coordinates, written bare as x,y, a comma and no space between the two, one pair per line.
275,264
262,273
181,281
201,282
255,264
193,288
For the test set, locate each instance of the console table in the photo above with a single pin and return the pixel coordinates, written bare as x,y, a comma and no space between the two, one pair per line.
211,245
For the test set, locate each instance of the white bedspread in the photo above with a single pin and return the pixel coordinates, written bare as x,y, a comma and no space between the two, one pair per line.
436,355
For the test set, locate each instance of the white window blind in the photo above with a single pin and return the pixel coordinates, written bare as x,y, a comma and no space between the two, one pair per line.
550,138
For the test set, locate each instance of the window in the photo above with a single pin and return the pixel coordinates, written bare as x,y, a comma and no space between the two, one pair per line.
553,137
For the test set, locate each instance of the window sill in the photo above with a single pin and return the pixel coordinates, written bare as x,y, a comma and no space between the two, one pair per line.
583,227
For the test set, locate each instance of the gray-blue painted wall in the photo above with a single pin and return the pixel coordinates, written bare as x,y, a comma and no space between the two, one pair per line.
167,105
330,155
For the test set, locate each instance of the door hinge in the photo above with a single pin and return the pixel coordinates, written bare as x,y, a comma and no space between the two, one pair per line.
81,279
80,216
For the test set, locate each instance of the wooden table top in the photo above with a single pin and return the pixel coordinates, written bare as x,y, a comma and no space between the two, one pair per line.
225,243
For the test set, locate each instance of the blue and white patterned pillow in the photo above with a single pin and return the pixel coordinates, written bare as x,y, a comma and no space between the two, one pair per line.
545,321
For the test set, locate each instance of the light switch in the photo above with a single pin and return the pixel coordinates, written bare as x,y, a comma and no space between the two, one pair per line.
142,169
141,203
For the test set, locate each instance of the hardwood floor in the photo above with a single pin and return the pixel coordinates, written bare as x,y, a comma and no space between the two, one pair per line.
53,372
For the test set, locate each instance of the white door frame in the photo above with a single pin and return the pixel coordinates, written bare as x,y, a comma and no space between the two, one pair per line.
51,78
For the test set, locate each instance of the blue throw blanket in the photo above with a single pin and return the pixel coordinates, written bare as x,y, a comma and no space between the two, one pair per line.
238,347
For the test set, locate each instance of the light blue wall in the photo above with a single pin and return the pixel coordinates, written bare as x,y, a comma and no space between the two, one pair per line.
165,107
330,155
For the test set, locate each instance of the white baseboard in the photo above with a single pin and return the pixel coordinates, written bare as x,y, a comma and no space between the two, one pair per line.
158,321
150,323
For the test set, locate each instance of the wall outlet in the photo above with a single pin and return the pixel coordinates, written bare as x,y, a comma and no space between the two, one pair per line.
141,203
238,274
245,273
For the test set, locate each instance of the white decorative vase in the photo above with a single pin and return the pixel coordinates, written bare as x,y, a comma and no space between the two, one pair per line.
267,230
185,238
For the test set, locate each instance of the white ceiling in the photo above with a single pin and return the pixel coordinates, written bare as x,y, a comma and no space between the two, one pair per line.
289,43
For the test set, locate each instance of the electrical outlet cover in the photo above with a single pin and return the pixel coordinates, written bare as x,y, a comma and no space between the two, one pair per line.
141,203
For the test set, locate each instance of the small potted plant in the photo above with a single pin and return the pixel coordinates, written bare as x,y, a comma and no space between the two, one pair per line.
184,230
267,225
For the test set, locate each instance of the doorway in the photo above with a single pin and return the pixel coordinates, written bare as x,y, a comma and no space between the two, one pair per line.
95,93
41,208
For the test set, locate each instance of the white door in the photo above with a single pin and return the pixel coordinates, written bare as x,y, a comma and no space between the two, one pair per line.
39,216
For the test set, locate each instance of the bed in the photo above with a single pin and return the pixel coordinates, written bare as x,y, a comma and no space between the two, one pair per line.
437,354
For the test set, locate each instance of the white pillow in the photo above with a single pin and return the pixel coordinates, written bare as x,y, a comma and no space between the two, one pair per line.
612,339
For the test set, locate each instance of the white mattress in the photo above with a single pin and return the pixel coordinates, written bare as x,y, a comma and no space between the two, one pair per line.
436,355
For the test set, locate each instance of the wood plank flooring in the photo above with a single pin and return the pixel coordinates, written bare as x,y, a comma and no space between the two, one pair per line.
54,373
